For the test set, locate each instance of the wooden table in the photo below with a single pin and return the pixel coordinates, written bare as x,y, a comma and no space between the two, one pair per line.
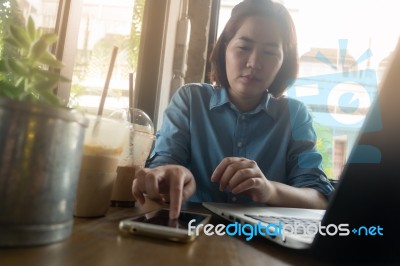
97,242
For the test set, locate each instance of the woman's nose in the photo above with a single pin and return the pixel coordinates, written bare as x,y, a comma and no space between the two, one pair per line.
254,61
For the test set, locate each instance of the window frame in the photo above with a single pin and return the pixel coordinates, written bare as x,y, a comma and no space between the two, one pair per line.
67,21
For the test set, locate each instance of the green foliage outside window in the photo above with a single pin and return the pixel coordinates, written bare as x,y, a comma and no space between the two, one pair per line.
9,15
325,147
91,63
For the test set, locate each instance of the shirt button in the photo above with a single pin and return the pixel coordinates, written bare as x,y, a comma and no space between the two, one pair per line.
243,117
239,144
234,199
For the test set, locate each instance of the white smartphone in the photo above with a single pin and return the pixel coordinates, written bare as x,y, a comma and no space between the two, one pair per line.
157,224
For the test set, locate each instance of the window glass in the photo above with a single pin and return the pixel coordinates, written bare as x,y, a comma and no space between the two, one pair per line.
16,12
43,12
103,26
344,48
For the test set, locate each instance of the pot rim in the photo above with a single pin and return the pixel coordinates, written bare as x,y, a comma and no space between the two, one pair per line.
65,113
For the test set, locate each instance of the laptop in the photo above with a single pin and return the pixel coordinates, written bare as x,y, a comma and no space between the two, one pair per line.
362,220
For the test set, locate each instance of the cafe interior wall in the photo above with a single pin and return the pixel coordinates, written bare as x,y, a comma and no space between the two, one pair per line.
199,12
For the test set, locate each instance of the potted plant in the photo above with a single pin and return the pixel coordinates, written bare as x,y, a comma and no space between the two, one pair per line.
41,143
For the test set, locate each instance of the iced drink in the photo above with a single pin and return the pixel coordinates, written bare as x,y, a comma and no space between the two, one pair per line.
102,149
122,191
142,143
139,147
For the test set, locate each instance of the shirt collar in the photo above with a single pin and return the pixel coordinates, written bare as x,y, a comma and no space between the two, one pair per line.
268,103
219,97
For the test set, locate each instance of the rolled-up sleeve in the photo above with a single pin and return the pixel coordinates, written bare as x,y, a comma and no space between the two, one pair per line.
304,162
173,139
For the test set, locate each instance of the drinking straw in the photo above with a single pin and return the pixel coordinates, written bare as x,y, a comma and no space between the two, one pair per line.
95,131
107,83
131,97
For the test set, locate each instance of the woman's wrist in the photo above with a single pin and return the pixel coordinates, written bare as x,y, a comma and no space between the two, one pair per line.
270,192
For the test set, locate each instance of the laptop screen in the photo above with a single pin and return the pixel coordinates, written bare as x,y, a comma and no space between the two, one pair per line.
367,197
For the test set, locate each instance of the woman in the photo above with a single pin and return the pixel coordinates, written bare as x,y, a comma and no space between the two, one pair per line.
239,140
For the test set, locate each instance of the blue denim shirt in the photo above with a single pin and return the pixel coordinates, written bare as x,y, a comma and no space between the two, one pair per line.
201,127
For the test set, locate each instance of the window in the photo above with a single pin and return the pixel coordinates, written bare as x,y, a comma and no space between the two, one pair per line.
97,27
103,26
339,154
14,12
344,48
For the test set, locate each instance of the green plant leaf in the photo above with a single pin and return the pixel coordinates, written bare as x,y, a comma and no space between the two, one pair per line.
49,38
37,50
20,82
32,71
45,84
8,90
3,66
50,74
20,35
49,97
44,96
11,42
31,28
49,59
28,96
16,67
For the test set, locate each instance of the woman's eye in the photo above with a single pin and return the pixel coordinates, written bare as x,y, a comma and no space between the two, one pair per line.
244,48
269,53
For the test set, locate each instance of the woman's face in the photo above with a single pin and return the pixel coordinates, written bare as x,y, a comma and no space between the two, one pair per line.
253,58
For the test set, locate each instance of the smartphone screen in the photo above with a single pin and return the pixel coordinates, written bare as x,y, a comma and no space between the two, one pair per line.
158,224
161,217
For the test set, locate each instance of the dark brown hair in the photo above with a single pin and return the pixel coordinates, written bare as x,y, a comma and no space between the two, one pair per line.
267,9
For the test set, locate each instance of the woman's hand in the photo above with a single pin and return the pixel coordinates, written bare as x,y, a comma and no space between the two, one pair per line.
160,183
241,175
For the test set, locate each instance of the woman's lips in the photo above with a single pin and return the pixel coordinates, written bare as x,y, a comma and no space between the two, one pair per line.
249,78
